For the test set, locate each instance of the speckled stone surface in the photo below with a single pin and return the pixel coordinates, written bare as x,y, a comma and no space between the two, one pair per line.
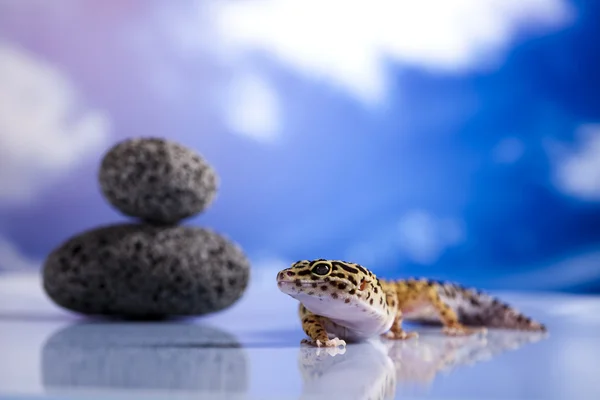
146,271
157,180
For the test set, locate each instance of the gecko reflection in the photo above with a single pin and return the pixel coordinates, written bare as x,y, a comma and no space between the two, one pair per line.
375,369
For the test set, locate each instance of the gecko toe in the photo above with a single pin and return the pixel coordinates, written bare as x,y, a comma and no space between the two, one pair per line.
335,342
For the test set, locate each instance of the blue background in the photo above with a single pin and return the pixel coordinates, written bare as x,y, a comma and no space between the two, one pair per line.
335,135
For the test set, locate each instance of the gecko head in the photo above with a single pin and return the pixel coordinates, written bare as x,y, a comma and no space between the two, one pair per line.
330,280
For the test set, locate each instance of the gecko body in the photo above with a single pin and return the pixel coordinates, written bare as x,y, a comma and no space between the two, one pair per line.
342,301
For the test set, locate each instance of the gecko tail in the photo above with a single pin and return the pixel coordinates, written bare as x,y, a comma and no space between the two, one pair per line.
478,309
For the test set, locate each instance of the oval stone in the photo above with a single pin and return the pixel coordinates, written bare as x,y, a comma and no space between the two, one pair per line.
146,272
156,180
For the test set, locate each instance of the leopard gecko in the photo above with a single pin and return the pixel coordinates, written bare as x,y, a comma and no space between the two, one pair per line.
345,302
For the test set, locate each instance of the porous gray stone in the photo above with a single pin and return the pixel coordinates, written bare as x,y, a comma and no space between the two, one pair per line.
156,180
142,271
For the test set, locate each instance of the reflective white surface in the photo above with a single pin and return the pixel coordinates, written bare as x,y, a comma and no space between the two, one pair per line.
252,351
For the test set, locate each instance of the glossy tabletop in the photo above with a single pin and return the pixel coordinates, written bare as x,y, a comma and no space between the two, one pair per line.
252,351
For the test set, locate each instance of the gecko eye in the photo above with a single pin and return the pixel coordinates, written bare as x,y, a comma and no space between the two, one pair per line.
321,268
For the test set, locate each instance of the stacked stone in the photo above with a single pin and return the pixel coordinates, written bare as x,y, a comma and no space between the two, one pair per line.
155,267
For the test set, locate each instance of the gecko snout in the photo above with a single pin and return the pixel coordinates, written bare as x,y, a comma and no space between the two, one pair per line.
288,282
285,276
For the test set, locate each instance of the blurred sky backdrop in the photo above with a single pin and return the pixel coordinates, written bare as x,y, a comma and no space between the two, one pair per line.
455,139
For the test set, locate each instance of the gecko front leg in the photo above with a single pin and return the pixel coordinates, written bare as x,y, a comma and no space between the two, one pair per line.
396,332
314,326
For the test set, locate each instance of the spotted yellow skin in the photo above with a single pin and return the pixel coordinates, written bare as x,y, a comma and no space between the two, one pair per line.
343,301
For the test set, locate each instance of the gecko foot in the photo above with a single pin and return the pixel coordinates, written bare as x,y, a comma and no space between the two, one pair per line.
463,331
402,335
335,342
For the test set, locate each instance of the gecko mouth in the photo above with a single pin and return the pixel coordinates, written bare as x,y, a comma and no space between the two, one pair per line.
290,279
298,283
293,286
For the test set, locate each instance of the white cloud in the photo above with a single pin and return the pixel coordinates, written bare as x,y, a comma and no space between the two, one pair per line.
418,236
44,129
251,108
424,237
12,259
577,171
349,43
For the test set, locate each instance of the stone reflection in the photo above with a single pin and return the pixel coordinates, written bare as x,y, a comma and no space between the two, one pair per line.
377,369
144,356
